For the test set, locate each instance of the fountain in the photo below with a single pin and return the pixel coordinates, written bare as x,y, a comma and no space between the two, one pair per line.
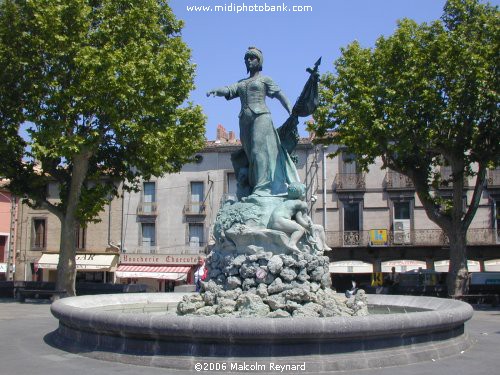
134,328
268,302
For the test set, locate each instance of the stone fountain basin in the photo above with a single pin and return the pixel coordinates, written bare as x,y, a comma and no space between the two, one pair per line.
139,329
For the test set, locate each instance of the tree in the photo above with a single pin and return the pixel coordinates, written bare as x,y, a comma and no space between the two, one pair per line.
103,85
424,97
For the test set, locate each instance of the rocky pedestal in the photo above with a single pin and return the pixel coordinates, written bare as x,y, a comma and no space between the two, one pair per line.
274,286
254,272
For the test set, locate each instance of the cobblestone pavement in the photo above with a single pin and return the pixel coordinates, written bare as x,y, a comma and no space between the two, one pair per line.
24,351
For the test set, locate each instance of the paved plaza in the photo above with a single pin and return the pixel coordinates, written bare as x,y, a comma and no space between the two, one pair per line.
23,349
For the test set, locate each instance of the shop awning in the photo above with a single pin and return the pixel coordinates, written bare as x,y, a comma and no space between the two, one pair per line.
350,266
87,262
403,265
492,265
153,272
444,265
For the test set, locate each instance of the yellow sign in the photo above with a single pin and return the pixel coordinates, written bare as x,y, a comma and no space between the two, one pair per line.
378,237
377,279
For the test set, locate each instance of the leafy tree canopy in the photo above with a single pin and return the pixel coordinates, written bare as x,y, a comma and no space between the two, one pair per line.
426,96
101,82
423,97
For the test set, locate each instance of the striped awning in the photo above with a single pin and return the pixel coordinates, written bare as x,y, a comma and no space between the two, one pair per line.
153,272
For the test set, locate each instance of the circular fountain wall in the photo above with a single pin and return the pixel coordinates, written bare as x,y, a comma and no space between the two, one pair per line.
138,329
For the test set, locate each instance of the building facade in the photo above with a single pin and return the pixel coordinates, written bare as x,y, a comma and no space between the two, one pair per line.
167,225
373,221
8,219
38,241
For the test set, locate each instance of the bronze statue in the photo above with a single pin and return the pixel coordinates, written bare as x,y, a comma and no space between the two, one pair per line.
268,164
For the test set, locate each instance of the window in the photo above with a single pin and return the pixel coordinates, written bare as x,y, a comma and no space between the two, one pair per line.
148,199
401,224
496,221
3,246
349,163
196,199
401,210
148,235
196,234
231,184
80,239
39,234
196,192
351,217
149,192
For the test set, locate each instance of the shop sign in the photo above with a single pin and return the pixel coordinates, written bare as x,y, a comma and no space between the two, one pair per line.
377,279
158,259
378,237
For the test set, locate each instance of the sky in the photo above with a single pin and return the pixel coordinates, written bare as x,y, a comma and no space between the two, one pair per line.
290,41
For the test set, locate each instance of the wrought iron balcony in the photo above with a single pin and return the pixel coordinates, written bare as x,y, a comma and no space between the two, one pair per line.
493,179
228,198
176,250
195,209
418,237
147,209
148,249
447,179
350,181
398,181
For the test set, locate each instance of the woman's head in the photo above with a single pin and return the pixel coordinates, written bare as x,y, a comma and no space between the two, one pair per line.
256,53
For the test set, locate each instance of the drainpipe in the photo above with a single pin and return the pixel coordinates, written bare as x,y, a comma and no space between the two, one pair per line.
110,244
323,149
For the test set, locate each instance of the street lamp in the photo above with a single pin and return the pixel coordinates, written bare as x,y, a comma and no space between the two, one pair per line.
10,253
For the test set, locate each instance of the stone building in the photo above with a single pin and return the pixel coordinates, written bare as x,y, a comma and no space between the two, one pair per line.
374,221
8,217
167,225
38,239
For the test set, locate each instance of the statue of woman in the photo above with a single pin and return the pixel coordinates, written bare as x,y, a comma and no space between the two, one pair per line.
268,164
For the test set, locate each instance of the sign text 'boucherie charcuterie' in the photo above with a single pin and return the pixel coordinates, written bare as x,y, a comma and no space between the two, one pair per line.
158,259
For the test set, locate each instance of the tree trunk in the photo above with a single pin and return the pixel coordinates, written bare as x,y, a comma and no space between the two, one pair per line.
66,268
457,273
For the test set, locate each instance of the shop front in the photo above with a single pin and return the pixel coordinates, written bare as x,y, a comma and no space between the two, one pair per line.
160,272
91,267
3,271
444,265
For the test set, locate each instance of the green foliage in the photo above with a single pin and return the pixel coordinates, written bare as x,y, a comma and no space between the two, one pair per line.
423,97
102,78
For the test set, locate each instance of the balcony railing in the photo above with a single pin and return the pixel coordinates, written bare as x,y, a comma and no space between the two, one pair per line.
418,237
228,198
493,180
447,179
176,250
398,181
350,181
142,250
194,209
147,209
196,245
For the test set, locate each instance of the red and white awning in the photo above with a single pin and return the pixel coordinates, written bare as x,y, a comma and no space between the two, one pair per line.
153,272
